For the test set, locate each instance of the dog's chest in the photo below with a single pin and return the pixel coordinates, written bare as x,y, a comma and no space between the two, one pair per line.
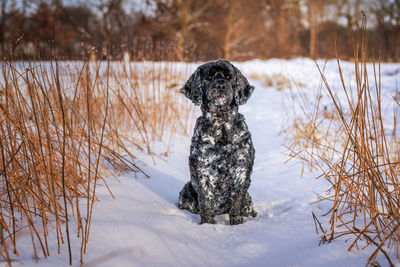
221,153
220,135
217,142
217,137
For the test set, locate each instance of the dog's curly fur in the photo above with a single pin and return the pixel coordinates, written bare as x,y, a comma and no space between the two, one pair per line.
221,154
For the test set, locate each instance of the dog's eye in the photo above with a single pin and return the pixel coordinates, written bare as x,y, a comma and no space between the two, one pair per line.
227,75
210,76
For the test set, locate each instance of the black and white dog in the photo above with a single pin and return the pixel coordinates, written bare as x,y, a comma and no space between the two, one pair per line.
221,154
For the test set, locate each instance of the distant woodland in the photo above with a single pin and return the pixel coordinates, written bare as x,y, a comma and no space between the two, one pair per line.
192,30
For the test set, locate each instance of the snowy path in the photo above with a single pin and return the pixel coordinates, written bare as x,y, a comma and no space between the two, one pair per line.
144,227
149,230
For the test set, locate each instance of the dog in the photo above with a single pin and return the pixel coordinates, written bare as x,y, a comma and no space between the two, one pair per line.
221,153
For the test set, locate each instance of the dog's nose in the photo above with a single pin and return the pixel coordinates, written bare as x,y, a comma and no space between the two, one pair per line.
221,86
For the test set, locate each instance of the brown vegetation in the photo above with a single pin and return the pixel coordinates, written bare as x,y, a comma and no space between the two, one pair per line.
64,128
198,30
278,81
357,152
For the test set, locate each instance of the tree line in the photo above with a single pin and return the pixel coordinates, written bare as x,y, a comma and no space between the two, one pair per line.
189,30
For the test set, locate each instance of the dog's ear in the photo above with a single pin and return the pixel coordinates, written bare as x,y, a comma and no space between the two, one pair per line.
243,89
193,88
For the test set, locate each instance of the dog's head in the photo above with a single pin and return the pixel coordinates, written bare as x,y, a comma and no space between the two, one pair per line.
217,85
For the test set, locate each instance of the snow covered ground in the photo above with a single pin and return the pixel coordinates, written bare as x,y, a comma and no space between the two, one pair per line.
142,226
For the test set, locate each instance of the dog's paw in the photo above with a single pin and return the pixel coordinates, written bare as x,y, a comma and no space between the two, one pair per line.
235,220
207,219
254,213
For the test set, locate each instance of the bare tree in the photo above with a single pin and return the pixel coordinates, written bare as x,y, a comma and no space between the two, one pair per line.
350,11
285,25
387,15
231,23
318,11
240,32
185,15
199,30
3,6
314,8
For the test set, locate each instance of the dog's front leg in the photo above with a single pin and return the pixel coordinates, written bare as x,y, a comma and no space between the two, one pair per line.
202,177
238,195
237,200
207,212
208,176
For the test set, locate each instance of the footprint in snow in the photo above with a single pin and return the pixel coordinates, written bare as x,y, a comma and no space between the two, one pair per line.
273,209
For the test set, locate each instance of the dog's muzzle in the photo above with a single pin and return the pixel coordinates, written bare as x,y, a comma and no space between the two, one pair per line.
220,92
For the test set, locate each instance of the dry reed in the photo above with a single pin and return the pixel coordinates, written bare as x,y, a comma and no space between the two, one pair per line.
64,128
357,152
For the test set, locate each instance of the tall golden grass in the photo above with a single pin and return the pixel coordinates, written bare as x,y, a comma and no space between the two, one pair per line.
67,126
356,149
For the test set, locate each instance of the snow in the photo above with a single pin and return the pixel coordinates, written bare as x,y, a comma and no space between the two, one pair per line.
142,226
